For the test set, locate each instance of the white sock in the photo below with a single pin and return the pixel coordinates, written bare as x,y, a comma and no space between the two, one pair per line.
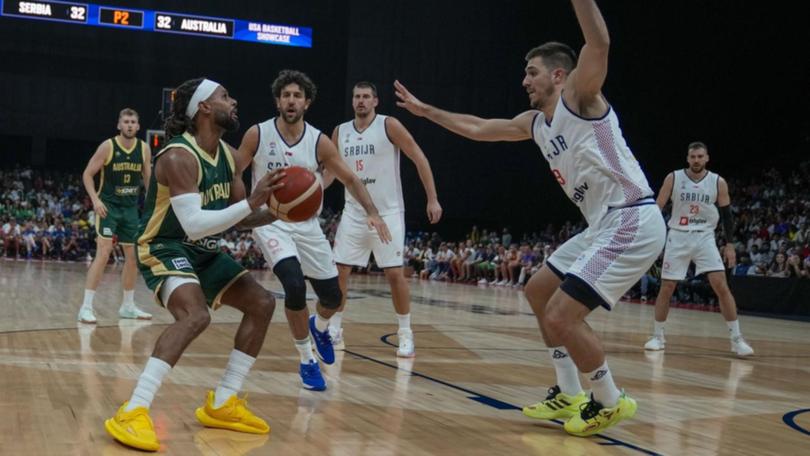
129,299
239,365
88,299
567,373
733,328
304,348
602,387
321,323
404,321
658,330
336,320
148,383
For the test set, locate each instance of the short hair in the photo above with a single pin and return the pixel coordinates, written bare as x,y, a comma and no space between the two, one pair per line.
555,55
287,77
128,112
178,122
697,145
366,85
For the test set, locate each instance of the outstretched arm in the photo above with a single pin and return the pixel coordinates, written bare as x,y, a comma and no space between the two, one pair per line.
518,128
402,138
584,85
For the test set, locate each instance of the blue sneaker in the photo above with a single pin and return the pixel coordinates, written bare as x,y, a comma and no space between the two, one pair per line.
323,342
311,376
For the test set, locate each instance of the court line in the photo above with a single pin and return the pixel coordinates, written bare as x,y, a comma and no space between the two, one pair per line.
487,400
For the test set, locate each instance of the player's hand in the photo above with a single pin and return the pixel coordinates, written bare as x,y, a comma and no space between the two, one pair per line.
376,222
731,256
264,187
99,208
434,211
408,101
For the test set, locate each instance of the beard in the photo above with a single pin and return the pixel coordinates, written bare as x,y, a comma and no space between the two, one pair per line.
225,121
291,118
697,169
540,101
127,134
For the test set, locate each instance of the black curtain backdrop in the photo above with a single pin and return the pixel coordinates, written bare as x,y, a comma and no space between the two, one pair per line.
734,75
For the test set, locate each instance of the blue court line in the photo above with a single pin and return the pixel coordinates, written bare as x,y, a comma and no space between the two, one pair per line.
490,401
790,419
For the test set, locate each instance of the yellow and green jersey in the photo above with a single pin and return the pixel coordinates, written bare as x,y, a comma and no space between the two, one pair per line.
122,174
214,176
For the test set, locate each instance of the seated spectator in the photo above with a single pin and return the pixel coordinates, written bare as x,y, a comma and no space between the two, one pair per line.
779,266
743,265
795,268
758,270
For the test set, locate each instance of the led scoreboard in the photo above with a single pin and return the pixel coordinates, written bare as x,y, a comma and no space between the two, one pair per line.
159,21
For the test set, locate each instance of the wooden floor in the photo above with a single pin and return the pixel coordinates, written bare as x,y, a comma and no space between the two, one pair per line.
479,358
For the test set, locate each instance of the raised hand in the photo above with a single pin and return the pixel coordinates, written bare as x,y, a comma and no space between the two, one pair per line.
409,101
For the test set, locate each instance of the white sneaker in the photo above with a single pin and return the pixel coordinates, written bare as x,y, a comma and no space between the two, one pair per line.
86,315
482,282
406,347
655,343
741,347
133,313
337,338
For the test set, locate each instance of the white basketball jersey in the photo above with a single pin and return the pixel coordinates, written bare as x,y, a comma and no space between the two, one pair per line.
375,160
273,152
693,203
591,161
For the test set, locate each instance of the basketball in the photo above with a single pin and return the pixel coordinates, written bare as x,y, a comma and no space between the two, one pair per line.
300,197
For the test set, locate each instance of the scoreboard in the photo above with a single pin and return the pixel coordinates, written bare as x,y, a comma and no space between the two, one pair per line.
159,21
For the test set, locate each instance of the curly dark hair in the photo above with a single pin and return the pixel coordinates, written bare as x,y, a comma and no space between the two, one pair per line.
286,77
178,123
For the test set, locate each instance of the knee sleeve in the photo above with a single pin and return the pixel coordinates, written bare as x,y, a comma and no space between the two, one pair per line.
289,273
328,292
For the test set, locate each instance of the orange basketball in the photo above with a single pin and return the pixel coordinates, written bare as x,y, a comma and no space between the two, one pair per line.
300,197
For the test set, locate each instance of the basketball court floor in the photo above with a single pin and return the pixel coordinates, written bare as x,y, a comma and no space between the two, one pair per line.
479,359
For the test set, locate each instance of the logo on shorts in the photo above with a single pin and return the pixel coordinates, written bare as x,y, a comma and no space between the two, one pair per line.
181,263
558,354
107,231
272,243
683,221
399,253
666,265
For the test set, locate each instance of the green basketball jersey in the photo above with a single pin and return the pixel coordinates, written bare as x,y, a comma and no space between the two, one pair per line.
214,176
122,174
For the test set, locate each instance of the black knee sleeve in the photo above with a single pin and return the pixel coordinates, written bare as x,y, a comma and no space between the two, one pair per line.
289,273
328,292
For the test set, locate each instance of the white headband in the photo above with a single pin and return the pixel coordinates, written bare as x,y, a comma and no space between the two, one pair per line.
204,90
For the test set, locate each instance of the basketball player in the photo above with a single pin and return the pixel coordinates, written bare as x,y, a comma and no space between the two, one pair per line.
193,196
698,197
125,164
299,250
578,133
370,146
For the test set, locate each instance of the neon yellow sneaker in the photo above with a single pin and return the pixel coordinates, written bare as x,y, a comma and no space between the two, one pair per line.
593,418
557,405
233,415
133,428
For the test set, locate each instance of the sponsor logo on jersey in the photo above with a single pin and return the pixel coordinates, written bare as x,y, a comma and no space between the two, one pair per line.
106,231
368,180
683,221
579,192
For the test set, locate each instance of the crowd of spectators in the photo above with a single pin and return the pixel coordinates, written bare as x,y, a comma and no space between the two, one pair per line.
46,215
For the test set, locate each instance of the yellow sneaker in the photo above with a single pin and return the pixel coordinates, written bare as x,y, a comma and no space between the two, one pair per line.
557,405
593,418
233,415
133,428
